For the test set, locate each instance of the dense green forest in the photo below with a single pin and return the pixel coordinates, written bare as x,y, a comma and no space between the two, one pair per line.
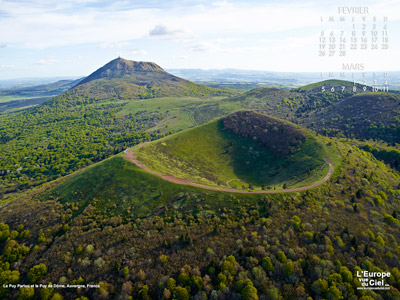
191,243
57,138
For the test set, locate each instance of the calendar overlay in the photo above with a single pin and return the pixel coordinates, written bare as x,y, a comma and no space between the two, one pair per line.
351,33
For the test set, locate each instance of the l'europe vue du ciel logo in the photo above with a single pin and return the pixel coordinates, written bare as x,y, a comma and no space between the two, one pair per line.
373,280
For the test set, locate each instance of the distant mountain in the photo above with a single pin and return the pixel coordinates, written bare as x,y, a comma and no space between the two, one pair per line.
125,79
22,96
55,87
118,68
45,89
19,83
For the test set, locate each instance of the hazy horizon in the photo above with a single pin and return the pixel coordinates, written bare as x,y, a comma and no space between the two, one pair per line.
171,69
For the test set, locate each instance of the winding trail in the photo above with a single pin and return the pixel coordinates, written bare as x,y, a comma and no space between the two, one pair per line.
227,183
131,157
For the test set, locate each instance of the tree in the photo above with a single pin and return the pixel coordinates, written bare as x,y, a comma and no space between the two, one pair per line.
181,293
166,294
197,282
4,231
7,277
289,268
26,293
13,251
267,264
184,279
222,281
228,266
347,276
57,296
37,272
171,284
46,293
125,271
281,257
319,286
333,293
273,293
41,238
79,250
141,275
249,292
144,293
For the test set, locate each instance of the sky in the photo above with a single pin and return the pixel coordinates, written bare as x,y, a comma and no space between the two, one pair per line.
45,38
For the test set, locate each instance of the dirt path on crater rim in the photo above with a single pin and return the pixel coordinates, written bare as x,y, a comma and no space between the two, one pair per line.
131,157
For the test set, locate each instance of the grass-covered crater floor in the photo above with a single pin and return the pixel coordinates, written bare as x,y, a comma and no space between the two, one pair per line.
213,156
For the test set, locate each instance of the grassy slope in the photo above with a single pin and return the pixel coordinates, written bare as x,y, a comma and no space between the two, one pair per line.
116,186
212,156
179,112
114,181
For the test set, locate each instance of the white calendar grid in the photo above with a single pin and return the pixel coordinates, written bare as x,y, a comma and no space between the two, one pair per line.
347,38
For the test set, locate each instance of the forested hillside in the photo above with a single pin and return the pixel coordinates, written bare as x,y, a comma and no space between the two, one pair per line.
138,236
57,138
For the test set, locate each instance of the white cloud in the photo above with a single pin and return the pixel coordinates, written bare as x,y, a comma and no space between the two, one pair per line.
166,32
203,47
46,61
137,52
3,46
161,30
180,57
7,67
214,47
228,40
131,53
113,45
